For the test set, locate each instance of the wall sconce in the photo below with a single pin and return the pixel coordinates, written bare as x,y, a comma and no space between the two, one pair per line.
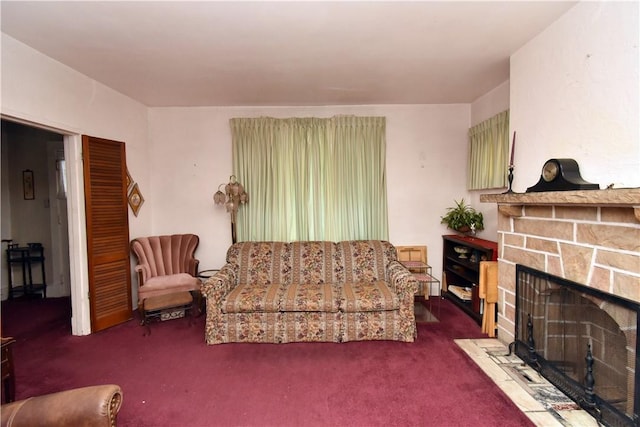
233,196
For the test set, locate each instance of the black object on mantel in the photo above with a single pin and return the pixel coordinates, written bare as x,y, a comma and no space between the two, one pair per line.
561,175
510,179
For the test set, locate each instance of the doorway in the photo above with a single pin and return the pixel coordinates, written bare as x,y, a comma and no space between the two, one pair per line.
40,214
76,219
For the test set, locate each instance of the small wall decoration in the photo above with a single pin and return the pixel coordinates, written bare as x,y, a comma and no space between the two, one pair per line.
28,185
135,199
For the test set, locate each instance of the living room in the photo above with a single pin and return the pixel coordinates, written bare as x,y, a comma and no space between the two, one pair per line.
572,91
581,75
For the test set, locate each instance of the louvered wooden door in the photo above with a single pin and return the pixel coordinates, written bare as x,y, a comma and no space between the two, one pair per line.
107,231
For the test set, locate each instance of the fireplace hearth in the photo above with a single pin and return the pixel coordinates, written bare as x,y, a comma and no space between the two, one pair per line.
581,339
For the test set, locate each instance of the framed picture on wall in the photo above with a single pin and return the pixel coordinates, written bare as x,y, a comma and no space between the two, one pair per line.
28,186
135,199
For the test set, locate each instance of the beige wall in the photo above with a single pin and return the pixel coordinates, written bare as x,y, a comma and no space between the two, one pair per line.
483,108
575,93
491,103
191,156
179,156
37,89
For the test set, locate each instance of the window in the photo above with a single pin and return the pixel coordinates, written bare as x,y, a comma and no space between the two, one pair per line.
311,178
488,153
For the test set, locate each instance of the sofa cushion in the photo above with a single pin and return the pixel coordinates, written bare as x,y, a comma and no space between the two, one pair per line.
247,298
261,262
309,297
314,262
365,260
367,296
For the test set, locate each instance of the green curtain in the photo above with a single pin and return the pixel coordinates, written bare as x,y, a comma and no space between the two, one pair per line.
311,178
488,153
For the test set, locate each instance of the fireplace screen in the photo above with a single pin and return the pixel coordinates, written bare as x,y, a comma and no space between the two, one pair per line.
583,341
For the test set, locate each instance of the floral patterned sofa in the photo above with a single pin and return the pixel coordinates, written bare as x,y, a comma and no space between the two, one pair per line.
277,292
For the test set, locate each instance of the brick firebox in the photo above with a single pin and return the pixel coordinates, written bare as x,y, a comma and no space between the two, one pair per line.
589,237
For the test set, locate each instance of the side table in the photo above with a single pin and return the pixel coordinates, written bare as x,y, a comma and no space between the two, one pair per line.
8,375
205,274
26,257
422,273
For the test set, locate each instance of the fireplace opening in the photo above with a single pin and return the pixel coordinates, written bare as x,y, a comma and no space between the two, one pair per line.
582,340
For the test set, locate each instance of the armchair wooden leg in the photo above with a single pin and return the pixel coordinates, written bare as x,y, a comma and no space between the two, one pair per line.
141,311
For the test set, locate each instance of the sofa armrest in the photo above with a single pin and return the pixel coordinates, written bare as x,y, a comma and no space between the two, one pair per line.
406,286
86,406
221,283
401,279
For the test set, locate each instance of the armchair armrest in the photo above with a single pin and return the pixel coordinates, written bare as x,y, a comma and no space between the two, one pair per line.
143,272
87,406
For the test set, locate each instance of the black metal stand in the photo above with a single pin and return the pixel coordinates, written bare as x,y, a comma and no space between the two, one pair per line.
234,216
233,232
533,358
510,179
589,381
26,257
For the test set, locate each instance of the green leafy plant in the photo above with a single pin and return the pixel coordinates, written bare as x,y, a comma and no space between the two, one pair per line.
463,218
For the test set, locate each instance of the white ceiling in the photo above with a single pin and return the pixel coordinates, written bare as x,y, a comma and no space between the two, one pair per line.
236,53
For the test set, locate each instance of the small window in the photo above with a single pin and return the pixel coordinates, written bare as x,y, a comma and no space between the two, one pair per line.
488,153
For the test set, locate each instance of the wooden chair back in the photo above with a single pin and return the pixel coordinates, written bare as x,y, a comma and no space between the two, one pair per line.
412,253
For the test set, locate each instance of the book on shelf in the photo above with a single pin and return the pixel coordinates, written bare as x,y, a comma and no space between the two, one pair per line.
461,292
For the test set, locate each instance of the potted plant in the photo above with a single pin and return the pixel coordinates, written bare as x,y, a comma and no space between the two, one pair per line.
463,218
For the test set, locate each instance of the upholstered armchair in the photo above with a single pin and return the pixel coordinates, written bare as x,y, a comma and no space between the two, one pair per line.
166,264
86,406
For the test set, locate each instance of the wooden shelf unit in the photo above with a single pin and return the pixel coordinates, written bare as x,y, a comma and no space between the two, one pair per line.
464,271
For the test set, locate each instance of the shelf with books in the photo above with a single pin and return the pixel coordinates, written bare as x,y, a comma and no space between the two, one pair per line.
461,256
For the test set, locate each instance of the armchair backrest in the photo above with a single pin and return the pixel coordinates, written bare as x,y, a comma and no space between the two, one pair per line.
85,406
165,255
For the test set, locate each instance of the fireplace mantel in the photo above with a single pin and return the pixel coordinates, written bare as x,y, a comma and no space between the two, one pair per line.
510,204
591,237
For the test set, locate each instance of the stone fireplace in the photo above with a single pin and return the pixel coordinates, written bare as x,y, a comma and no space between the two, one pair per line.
582,340
589,238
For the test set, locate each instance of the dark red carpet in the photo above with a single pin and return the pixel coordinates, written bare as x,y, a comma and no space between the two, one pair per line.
171,378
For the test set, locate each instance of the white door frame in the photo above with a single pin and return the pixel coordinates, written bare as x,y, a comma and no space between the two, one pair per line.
59,283
79,264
